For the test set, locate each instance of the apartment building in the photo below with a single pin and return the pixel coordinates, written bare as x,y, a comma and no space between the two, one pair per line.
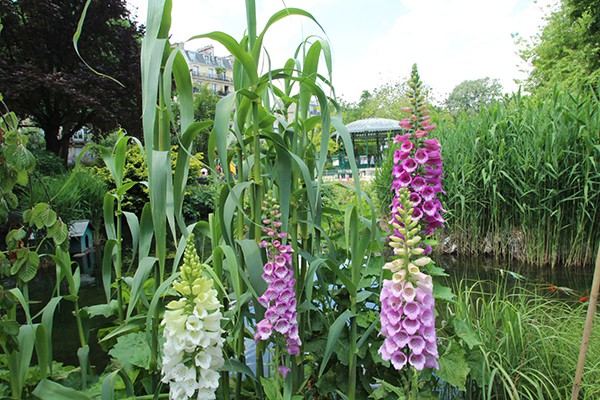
209,70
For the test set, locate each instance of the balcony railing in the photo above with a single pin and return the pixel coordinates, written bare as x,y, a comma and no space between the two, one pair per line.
214,77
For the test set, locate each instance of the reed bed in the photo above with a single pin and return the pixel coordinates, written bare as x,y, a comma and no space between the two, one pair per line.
527,342
522,179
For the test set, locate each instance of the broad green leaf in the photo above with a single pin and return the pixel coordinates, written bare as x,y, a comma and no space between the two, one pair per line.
21,299
254,263
42,350
453,366
146,231
134,228
14,237
108,210
108,385
26,342
30,267
59,232
40,214
442,292
236,50
141,274
108,259
105,310
466,333
135,323
132,349
48,390
233,365
332,337
271,388
47,323
160,185
20,157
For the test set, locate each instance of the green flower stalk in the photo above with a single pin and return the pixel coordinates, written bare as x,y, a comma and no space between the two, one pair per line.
193,343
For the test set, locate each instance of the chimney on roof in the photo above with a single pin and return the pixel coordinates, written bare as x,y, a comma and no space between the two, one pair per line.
210,50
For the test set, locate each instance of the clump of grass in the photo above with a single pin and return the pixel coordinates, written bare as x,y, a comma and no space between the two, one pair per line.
528,342
523,181
77,194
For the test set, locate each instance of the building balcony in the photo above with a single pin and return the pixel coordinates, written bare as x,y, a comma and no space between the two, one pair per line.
212,77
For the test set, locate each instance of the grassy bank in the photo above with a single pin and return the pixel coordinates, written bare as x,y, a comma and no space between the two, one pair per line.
525,341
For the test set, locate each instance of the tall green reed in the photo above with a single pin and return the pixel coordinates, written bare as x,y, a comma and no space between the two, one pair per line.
522,179
524,343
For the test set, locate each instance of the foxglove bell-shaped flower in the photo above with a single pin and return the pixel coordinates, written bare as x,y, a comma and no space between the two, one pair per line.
407,305
407,313
280,297
192,352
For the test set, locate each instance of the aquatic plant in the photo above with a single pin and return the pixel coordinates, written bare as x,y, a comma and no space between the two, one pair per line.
523,181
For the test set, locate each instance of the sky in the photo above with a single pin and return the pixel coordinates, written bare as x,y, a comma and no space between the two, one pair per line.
375,42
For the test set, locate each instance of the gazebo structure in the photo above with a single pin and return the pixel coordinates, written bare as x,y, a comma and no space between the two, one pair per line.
369,137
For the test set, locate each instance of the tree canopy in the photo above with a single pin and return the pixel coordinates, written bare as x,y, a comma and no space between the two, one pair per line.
567,52
41,76
472,95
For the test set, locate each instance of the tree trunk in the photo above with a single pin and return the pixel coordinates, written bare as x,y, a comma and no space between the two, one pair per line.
60,147
51,136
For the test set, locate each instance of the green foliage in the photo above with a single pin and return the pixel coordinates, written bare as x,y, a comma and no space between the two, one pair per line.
48,163
136,171
16,162
567,52
521,345
385,101
383,182
74,195
132,351
199,202
52,85
522,180
473,95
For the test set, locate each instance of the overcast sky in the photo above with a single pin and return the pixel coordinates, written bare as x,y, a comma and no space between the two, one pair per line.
377,41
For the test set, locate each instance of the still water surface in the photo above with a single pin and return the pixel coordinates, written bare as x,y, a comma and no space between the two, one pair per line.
572,284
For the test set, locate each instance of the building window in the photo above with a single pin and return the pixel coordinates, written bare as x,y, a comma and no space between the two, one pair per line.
213,86
211,72
196,70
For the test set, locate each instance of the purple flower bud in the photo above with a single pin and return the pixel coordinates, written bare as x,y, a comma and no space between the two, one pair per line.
401,138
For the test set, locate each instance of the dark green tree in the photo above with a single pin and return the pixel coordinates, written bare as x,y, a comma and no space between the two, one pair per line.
42,77
471,96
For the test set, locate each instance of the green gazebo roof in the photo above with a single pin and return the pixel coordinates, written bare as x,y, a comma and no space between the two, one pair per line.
374,125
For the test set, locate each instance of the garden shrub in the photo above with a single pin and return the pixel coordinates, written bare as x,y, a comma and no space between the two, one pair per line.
136,170
48,163
74,195
199,202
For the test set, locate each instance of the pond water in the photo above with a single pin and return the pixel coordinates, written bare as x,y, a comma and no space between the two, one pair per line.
569,283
